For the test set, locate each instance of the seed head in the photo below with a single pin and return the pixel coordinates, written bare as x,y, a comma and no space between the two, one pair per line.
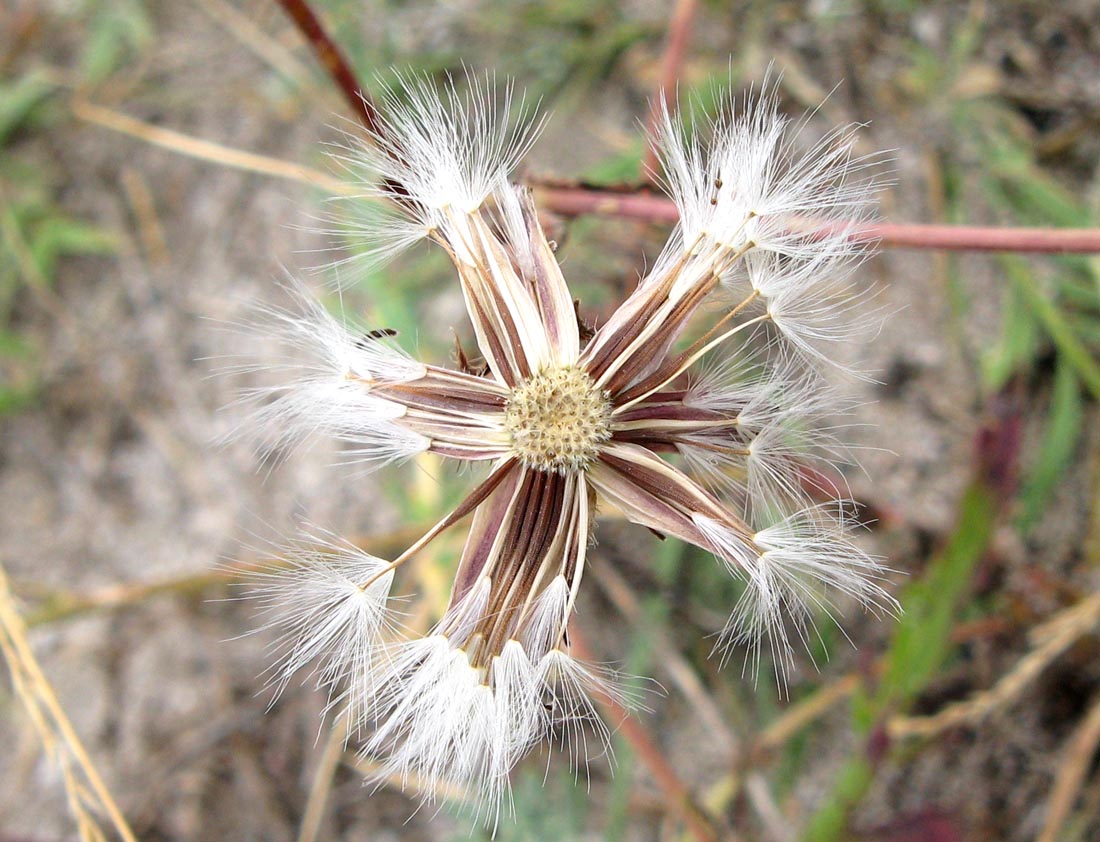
557,419
565,421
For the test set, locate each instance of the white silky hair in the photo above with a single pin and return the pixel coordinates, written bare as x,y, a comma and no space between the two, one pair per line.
543,629
785,416
328,601
741,179
741,184
512,224
810,300
439,154
798,564
327,367
729,382
444,724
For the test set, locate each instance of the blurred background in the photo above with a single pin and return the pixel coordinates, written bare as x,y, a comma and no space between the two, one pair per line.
124,252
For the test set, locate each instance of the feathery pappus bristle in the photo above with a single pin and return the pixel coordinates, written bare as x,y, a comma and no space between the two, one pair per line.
690,410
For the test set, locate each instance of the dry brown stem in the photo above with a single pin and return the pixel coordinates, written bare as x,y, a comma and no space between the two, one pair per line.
677,796
87,795
333,60
205,150
1080,749
1050,639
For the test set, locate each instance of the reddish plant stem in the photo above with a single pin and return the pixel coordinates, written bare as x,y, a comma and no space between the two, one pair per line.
677,796
679,31
333,60
977,238
577,201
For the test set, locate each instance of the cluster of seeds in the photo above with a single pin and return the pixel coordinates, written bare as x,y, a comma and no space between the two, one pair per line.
565,420
557,419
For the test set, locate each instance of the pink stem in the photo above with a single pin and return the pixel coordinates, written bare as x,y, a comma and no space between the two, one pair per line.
576,201
679,32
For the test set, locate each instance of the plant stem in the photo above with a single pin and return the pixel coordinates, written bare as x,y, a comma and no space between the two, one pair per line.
677,796
333,60
578,201
679,32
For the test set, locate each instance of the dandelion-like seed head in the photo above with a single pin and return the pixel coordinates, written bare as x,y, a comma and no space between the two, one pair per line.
557,419
564,421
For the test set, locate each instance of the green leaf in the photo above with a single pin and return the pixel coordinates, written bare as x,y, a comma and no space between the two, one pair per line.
59,236
14,398
1063,430
830,822
922,639
117,30
1054,322
1018,344
19,100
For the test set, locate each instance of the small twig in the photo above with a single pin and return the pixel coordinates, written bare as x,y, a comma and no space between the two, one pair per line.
578,201
790,723
322,782
334,62
150,231
618,590
256,41
981,238
679,31
1081,747
677,795
1052,638
806,711
54,727
411,785
206,150
771,817
54,606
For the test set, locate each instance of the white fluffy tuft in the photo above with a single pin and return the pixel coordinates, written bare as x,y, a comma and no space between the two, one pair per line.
328,602
792,568
331,369
742,179
438,150
444,725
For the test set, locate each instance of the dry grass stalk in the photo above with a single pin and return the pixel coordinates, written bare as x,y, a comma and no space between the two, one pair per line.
256,41
1050,639
1080,749
321,788
803,713
88,797
205,150
154,241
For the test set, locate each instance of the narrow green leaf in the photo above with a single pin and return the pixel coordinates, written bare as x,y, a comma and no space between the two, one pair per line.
830,822
19,100
921,641
1018,344
1054,322
1063,430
